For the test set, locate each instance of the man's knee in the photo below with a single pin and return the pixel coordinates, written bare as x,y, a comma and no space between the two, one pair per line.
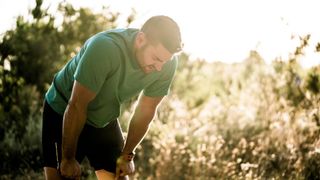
103,174
51,173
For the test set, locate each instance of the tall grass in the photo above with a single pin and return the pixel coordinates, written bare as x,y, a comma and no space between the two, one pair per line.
240,121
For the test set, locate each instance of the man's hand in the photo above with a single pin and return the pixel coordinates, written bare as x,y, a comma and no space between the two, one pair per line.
124,167
70,169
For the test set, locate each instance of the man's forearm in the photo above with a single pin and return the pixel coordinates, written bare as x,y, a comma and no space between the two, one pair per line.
138,128
73,122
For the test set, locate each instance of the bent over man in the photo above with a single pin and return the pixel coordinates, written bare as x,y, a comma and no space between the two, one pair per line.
82,106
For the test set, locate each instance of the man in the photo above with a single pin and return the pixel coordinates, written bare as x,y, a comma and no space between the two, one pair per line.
83,103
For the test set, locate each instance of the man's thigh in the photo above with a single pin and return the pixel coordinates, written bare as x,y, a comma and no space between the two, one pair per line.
51,136
102,146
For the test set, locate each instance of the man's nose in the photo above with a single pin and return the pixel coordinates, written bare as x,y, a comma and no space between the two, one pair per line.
158,66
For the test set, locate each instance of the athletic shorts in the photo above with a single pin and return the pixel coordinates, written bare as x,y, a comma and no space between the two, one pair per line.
102,146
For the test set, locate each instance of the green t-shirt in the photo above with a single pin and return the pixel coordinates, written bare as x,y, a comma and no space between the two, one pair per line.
107,66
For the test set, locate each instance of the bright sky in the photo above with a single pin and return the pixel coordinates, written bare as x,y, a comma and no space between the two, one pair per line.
223,30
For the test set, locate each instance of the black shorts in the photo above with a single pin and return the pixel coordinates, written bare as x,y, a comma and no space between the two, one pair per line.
102,146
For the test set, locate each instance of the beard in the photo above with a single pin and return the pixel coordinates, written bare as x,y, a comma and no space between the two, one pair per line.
140,58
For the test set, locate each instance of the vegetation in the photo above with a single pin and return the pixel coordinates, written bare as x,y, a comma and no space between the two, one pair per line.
247,120
250,121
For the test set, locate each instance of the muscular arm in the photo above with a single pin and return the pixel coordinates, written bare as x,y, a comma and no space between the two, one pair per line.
74,119
139,123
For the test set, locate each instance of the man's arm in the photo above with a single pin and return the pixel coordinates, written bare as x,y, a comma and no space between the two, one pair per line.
73,121
139,123
138,127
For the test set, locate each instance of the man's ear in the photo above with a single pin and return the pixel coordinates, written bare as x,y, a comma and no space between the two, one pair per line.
141,39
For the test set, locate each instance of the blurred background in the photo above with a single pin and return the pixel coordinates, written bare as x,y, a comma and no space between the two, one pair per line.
244,103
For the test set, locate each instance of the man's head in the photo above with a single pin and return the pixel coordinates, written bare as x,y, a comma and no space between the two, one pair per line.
157,41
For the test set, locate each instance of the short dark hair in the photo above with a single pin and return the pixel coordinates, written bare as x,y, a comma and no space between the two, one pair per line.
165,30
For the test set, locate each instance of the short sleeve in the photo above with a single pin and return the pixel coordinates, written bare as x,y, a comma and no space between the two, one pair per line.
161,87
95,63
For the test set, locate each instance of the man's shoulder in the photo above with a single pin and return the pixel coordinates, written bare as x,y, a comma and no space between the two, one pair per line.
123,31
100,39
113,35
103,43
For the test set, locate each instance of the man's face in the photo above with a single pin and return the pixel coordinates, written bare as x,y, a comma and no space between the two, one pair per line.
152,57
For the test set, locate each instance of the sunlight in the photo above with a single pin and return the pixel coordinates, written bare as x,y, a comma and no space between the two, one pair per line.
220,30
228,30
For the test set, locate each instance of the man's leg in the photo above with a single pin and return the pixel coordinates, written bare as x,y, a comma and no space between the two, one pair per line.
51,141
103,146
103,174
106,175
51,173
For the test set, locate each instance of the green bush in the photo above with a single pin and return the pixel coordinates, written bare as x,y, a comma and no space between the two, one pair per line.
20,149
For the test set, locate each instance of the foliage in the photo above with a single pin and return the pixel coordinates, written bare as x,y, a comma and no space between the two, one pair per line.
253,121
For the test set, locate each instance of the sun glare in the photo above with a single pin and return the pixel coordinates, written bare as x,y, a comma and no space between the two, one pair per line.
226,30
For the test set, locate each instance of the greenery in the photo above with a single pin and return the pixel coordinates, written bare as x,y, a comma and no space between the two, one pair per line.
248,120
